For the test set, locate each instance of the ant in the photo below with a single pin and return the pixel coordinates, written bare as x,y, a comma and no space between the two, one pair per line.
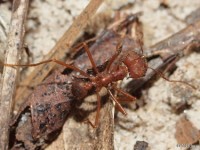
134,64
130,63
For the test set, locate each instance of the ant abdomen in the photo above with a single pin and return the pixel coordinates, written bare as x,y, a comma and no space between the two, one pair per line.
136,64
80,89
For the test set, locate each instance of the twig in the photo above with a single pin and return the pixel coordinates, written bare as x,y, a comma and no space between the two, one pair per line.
178,42
59,50
14,45
105,134
77,135
3,34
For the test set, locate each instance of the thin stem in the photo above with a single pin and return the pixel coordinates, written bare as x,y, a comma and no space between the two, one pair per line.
15,42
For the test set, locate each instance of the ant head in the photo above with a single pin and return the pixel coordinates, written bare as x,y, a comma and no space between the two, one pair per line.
136,64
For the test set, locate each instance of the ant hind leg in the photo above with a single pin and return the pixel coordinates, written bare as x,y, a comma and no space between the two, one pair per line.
121,109
131,98
95,124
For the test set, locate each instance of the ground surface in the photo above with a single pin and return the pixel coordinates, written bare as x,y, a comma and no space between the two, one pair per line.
155,122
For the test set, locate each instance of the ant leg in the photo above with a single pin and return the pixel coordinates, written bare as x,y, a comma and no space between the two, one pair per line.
118,51
90,57
121,109
51,60
97,114
132,98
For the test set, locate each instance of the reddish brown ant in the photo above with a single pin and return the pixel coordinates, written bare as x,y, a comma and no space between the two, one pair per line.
134,64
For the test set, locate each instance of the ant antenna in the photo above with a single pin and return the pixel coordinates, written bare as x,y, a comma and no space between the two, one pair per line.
162,75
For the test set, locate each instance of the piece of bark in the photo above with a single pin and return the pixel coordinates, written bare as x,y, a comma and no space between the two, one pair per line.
186,133
4,22
141,145
14,46
59,51
180,107
23,133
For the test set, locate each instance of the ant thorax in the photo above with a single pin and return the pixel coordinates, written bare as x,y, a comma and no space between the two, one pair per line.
82,87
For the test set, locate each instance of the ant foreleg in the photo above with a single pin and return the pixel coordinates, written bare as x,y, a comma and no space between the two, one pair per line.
51,60
97,112
90,57
121,109
131,98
